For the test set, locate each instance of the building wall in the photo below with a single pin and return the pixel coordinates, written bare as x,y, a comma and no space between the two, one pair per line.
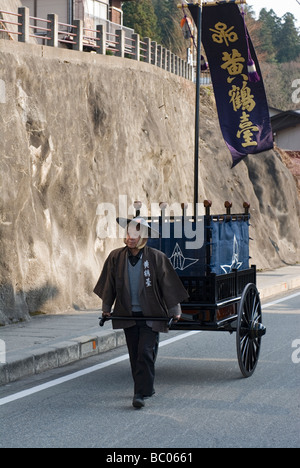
78,8
115,12
288,139
95,12
90,10
41,8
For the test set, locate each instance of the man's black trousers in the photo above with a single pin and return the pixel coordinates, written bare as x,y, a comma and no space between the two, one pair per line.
142,346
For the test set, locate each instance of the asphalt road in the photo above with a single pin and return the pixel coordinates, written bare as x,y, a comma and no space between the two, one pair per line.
201,398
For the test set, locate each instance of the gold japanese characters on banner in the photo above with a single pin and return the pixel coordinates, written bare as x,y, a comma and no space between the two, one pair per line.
238,86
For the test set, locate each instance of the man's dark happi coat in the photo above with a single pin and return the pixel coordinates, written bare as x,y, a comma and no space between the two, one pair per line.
160,287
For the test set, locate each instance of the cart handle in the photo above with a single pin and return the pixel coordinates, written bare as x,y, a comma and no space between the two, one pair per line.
145,319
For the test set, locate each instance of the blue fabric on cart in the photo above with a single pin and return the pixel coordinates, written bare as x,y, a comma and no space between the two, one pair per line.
185,258
230,246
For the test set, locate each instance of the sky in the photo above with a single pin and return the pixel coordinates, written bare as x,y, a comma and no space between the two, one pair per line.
279,6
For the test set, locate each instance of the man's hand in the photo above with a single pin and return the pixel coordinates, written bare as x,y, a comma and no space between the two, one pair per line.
176,318
106,314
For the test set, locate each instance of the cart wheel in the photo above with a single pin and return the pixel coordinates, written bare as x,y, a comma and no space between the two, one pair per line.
249,330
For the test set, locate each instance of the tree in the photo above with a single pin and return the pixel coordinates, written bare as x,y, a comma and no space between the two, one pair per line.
158,19
270,28
288,40
169,18
141,17
254,28
279,38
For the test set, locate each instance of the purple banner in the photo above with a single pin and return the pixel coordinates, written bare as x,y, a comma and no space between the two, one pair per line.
241,99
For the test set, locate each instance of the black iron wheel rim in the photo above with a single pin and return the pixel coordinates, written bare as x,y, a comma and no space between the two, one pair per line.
249,321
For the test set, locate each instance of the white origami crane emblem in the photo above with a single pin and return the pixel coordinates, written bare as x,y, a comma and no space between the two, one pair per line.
178,260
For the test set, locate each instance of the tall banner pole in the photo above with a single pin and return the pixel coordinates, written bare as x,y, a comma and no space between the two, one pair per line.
197,116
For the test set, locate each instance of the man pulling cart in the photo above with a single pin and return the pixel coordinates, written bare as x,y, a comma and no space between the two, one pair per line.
142,283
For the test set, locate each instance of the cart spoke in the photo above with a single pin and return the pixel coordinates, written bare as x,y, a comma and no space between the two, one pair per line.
252,356
256,310
248,308
245,347
251,361
247,356
257,343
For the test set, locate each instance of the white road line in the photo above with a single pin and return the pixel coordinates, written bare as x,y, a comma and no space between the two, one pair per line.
76,375
270,304
178,338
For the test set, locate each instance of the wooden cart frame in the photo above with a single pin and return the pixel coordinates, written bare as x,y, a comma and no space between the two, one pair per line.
228,302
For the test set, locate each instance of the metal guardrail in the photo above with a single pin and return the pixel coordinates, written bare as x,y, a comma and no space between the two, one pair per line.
120,43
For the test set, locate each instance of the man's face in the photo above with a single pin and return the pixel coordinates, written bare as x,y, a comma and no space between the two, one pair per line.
133,237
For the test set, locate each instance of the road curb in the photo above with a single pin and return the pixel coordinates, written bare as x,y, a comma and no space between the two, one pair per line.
52,356
272,290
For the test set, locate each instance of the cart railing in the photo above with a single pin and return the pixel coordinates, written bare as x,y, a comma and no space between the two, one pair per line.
214,289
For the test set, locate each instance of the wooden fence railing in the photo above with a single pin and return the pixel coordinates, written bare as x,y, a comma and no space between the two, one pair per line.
120,43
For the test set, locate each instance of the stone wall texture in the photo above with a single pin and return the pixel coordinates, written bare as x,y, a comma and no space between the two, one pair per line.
78,130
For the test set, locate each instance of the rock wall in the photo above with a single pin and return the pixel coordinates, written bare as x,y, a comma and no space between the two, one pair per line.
78,130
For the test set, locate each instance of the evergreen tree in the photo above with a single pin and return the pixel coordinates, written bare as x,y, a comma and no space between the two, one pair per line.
169,18
140,16
279,38
288,44
270,28
157,19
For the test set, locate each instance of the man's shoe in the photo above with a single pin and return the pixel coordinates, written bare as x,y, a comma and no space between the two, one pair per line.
149,396
138,401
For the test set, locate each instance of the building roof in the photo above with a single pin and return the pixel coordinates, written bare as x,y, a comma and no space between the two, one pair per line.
275,110
285,120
